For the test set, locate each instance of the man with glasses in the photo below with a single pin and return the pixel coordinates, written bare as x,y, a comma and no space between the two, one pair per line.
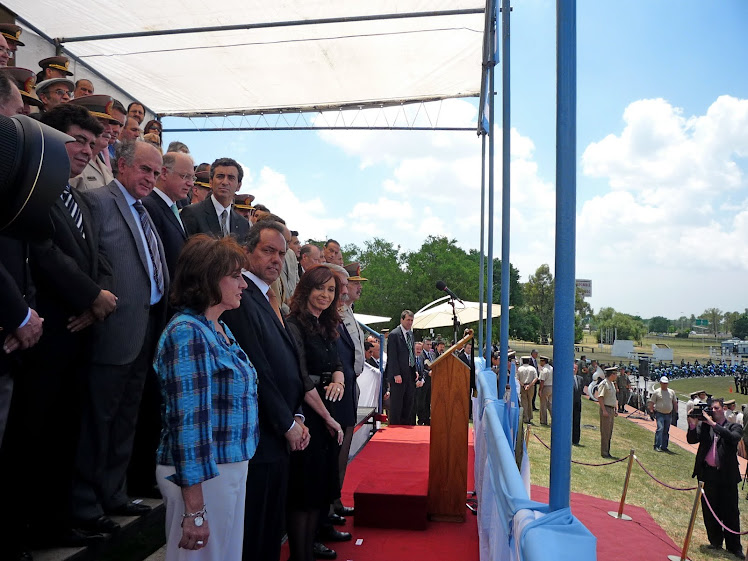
214,215
12,35
98,171
176,179
5,52
54,91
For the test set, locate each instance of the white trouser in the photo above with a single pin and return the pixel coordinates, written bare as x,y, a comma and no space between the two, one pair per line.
224,502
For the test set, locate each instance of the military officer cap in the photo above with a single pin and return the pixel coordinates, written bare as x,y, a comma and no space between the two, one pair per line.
543,357
610,370
243,202
12,32
695,394
25,79
525,360
100,106
354,272
729,402
511,355
203,179
56,62
44,84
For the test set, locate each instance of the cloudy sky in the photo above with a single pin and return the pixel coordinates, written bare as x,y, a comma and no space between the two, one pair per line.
662,194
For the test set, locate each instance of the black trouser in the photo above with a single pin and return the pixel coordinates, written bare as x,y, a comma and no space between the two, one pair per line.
265,510
576,422
723,496
402,399
423,402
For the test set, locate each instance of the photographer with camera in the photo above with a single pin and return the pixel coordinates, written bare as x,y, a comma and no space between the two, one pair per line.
717,466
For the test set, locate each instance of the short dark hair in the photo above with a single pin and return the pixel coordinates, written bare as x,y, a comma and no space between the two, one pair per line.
328,242
135,103
66,115
273,217
6,88
406,313
261,207
177,146
227,162
202,263
253,238
368,346
305,249
295,233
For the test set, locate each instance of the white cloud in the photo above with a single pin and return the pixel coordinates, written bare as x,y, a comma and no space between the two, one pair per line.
678,201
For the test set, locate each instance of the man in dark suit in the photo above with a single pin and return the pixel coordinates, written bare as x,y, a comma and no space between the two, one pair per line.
717,466
262,334
123,345
70,280
401,370
176,179
214,215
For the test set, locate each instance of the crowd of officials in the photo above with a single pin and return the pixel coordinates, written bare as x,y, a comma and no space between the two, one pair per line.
168,339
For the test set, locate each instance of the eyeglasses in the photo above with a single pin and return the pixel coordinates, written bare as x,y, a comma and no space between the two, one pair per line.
61,92
185,176
154,128
6,51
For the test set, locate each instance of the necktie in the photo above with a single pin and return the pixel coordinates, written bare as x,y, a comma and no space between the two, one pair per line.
107,160
273,299
150,236
175,210
73,208
224,226
411,354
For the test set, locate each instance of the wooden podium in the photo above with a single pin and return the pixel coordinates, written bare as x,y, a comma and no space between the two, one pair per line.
448,449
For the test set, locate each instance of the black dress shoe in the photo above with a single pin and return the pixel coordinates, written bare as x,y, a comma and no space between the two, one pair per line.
330,534
21,555
336,520
78,537
738,553
130,509
102,524
344,511
321,551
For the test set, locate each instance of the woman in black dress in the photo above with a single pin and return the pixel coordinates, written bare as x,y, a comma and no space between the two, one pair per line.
314,482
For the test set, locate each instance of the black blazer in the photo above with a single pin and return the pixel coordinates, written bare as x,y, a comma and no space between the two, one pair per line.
397,357
67,269
16,292
168,227
344,411
730,435
201,218
271,350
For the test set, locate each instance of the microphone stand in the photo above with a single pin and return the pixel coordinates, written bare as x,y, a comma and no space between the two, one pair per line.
455,321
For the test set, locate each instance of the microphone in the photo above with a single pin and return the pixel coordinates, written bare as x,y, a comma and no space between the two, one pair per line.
441,285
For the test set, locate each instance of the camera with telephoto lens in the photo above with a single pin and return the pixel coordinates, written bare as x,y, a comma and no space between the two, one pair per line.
701,407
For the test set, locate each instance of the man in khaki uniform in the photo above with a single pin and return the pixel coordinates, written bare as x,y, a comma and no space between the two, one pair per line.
527,377
606,397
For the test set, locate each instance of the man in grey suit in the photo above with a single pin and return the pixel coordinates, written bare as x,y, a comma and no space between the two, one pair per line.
401,370
214,215
122,346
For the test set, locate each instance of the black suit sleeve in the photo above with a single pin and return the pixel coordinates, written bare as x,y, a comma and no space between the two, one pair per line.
251,337
189,220
63,273
14,308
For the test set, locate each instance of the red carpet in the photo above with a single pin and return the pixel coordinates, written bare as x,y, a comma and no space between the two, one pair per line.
640,539
441,541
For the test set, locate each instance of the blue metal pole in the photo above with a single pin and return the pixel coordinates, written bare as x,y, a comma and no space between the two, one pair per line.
506,127
565,290
481,279
489,276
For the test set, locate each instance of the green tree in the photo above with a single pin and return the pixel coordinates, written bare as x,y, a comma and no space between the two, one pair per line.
539,297
729,321
659,324
740,327
714,316
624,325
386,291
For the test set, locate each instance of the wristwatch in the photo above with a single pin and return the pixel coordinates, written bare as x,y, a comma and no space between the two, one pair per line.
198,517
199,520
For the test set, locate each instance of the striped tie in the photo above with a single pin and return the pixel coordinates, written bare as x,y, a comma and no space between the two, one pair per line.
224,226
150,236
73,208
411,354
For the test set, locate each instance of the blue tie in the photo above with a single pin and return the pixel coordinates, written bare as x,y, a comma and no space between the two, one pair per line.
150,236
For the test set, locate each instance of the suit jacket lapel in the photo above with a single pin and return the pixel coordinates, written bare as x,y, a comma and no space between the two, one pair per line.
212,217
267,309
124,208
166,209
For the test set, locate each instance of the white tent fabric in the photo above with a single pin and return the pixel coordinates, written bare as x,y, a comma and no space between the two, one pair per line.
281,67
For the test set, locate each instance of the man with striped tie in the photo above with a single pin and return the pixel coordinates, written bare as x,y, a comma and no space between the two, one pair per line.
123,345
401,371
70,281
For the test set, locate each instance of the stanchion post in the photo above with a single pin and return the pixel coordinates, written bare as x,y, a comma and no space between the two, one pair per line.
687,542
620,515
527,436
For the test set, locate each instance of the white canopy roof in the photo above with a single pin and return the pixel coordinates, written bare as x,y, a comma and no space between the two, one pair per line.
283,62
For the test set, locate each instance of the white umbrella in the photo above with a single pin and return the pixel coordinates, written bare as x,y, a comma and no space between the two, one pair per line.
368,320
440,315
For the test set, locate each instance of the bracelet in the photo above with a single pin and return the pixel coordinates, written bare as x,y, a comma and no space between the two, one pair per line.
202,512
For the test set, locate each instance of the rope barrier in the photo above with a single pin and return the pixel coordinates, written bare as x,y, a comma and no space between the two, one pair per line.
662,482
703,496
583,463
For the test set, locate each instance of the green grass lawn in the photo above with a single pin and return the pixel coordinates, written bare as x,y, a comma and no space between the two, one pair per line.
718,386
671,509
